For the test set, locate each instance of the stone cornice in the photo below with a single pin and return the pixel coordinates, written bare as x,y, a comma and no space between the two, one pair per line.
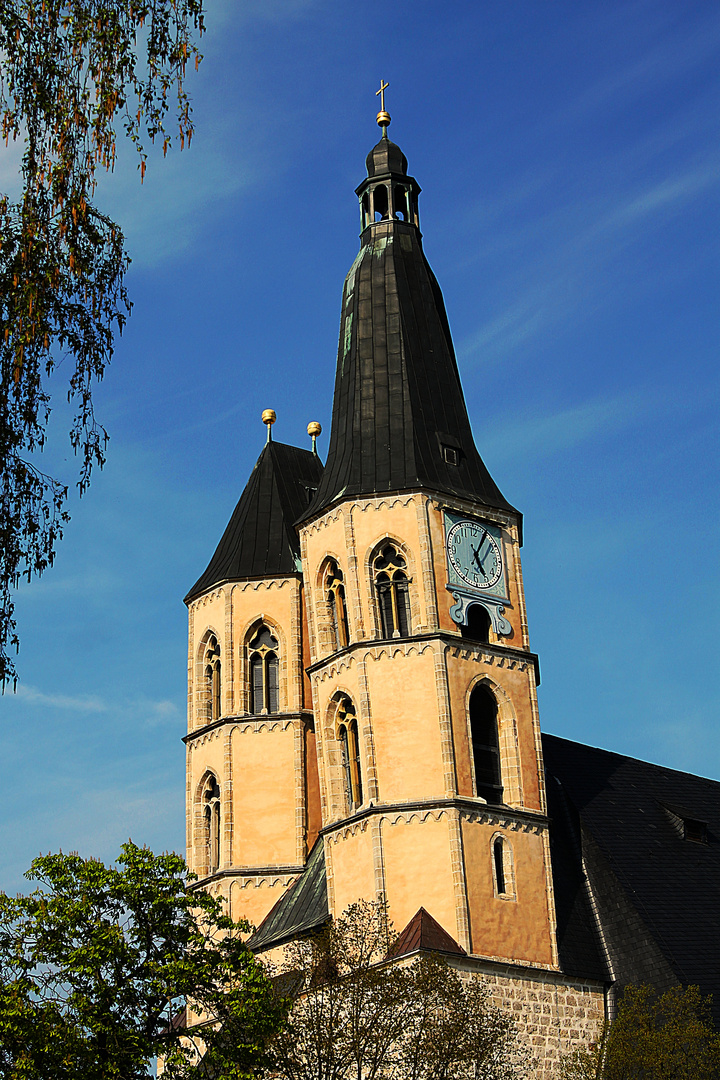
478,650
268,721
472,810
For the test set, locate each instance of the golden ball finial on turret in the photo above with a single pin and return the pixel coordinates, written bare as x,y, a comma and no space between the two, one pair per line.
314,429
269,417
383,118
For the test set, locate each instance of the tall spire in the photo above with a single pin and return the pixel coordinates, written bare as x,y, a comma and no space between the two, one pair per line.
399,419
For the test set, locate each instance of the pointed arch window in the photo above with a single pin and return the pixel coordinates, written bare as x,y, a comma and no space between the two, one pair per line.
485,747
211,823
264,672
213,682
347,731
335,596
391,587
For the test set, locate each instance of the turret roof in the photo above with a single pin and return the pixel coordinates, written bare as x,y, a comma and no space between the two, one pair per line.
260,539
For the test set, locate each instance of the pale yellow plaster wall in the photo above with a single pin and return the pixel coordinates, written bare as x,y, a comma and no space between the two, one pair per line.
417,868
405,724
516,929
252,898
264,796
349,857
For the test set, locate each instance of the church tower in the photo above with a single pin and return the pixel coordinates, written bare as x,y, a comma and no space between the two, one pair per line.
362,695
252,785
423,683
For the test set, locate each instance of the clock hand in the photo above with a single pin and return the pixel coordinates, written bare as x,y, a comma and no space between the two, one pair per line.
476,555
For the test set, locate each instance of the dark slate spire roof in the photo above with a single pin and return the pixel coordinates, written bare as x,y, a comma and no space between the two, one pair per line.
260,539
398,400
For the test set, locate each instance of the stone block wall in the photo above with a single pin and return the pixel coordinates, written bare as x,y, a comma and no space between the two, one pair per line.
554,1014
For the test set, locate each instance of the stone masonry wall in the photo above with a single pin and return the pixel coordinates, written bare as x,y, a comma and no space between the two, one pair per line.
554,1013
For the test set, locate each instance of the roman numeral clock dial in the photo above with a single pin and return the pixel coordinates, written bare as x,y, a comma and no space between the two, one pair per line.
476,569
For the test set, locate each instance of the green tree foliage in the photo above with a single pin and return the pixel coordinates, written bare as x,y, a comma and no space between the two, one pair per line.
357,1017
96,964
72,73
655,1036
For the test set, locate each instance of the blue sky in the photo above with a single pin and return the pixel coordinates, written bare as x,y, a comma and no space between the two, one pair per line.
568,155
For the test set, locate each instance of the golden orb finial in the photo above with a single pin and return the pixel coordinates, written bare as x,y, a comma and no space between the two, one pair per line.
269,418
314,429
383,118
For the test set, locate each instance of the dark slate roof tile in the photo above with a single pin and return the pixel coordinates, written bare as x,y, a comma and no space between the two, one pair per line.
260,539
673,884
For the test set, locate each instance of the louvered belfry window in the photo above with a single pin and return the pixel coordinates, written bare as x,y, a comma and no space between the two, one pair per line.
264,672
485,747
350,744
391,586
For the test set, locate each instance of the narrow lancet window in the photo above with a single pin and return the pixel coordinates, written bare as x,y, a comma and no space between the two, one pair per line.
391,587
348,737
264,672
335,596
212,672
485,748
211,822
498,859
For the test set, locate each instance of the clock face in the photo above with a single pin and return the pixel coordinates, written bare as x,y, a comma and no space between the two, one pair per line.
474,554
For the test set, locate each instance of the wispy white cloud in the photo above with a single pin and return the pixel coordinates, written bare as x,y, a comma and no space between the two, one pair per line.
81,703
141,710
582,265
538,436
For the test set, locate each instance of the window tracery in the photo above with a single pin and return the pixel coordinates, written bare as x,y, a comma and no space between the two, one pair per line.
264,672
391,587
213,682
347,733
335,596
485,745
211,823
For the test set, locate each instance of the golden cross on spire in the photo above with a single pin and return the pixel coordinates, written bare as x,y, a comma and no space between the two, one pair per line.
383,118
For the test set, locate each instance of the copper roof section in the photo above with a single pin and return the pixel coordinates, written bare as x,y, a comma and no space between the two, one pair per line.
424,932
260,539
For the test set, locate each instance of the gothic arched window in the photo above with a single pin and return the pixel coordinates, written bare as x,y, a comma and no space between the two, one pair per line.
335,596
211,823
264,672
391,587
347,733
212,674
485,748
